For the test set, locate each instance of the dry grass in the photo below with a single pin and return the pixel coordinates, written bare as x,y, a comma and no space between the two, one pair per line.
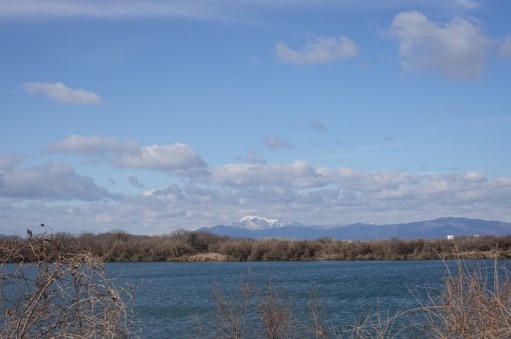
252,311
207,257
232,314
474,303
378,325
48,290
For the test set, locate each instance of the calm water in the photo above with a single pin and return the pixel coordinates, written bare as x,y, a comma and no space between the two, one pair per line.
170,297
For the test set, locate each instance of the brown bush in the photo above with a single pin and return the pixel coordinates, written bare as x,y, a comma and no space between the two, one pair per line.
50,289
474,303
255,311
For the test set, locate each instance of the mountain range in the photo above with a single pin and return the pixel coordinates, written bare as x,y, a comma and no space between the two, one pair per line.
261,227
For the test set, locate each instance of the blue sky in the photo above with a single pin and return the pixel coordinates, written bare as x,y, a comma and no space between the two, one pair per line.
149,116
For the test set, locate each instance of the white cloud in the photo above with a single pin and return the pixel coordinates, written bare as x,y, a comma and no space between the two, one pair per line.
51,182
177,158
61,93
297,174
373,181
457,49
318,50
505,47
303,193
273,142
302,190
163,157
292,191
474,176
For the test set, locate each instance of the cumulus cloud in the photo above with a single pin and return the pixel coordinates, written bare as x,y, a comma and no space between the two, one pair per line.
163,157
301,192
177,158
457,49
273,142
61,93
297,174
51,182
299,181
505,47
317,50
293,191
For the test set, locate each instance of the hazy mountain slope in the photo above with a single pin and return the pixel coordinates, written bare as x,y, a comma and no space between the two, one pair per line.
429,229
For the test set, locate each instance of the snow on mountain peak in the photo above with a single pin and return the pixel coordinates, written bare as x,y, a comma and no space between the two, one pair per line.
258,223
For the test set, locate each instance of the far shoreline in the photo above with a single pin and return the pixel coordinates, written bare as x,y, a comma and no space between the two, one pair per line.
185,246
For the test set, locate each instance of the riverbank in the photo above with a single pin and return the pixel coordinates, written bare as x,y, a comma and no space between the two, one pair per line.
201,246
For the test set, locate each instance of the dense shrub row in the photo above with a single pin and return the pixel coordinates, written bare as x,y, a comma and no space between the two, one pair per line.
184,245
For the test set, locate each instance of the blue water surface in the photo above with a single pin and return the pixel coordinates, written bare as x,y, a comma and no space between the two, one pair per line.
170,299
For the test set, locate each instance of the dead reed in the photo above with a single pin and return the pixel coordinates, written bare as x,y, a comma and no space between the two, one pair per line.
50,290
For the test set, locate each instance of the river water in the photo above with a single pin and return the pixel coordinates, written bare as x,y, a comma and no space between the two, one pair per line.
170,299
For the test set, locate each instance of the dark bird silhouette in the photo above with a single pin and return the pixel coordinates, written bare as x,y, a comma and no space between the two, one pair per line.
29,233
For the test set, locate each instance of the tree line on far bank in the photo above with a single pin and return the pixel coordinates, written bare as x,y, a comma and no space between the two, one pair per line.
203,246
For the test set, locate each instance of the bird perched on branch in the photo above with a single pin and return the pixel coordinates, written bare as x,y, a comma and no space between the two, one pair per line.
29,233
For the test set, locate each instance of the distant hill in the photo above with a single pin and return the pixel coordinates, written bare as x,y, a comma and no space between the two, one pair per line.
259,227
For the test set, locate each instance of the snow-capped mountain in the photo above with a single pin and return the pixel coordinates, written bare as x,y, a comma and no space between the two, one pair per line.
260,228
253,222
